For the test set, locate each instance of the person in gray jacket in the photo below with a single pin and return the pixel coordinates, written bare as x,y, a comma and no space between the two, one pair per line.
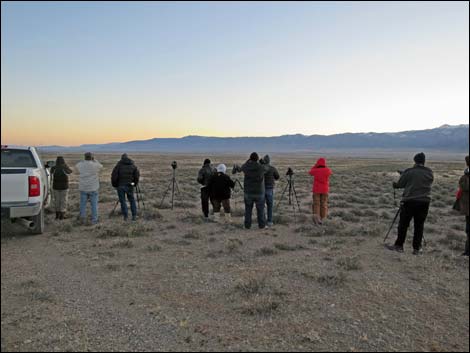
254,189
416,182
89,184
204,176
270,176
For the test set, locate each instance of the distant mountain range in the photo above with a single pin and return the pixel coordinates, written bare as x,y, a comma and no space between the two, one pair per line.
445,138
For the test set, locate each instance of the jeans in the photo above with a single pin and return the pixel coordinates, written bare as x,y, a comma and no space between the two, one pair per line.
259,201
128,190
269,195
93,197
418,211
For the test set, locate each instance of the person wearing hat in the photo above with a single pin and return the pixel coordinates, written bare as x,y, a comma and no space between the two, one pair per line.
254,189
124,177
463,202
416,182
203,178
220,186
88,185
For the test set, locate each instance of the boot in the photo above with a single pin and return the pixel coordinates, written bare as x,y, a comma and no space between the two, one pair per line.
228,217
217,217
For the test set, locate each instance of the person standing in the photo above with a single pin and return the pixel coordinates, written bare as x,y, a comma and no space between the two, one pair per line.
254,189
124,177
321,187
220,186
416,182
60,186
203,178
463,202
270,176
89,184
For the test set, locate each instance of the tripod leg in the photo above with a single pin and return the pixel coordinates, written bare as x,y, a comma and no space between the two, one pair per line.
164,195
172,192
296,198
282,195
114,208
393,222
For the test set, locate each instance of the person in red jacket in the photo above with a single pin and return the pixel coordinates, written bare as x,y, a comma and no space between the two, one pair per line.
321,174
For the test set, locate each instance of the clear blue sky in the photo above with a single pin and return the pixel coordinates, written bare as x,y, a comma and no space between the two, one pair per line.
87,72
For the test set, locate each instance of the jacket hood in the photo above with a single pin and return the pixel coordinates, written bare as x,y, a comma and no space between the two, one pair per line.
321,162
126,160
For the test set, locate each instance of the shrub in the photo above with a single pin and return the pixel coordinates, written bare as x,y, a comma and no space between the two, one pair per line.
265,251
334,279
260,306
287,247
349,263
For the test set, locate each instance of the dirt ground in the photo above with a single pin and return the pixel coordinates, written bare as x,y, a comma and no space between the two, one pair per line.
171,282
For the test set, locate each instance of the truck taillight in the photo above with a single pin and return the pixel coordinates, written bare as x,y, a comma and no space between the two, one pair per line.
34,186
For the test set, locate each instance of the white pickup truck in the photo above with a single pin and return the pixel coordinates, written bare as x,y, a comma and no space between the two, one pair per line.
25,187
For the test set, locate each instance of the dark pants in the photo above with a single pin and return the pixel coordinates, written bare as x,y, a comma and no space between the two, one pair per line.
218,203
123,191
205,198
418,211
467,230
250,200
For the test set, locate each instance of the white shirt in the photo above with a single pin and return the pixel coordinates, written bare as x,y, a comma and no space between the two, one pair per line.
89,175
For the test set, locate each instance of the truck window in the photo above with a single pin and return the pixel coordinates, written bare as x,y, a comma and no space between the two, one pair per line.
12,158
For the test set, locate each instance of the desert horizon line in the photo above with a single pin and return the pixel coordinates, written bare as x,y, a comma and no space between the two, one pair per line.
244,136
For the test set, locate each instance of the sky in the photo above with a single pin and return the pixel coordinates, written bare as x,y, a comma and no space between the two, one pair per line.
96,72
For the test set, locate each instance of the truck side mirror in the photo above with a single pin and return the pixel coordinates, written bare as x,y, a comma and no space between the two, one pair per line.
50,164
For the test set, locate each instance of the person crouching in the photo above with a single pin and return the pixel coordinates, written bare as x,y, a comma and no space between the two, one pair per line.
220,186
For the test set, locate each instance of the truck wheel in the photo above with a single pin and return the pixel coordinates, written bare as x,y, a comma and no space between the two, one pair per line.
38,223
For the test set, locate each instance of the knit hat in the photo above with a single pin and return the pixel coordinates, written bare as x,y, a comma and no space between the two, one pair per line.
207,161
254,157
88,156
221,168
266,159
60,160
420,158
124,155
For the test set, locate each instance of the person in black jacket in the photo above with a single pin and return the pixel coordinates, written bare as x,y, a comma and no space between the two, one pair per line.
220,186
124,177
60,186
253,185
270,176
415,202
203,178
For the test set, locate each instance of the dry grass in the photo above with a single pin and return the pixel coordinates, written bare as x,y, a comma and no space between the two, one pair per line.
173,281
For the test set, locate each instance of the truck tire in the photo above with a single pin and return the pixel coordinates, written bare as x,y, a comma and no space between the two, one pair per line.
38,223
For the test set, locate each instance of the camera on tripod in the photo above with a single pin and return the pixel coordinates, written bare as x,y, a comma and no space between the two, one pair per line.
289,172
174,165
236,169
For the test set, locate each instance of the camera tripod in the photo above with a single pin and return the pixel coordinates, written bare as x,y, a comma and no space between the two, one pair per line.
138,197
173,185
292,193
239,184
396,216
